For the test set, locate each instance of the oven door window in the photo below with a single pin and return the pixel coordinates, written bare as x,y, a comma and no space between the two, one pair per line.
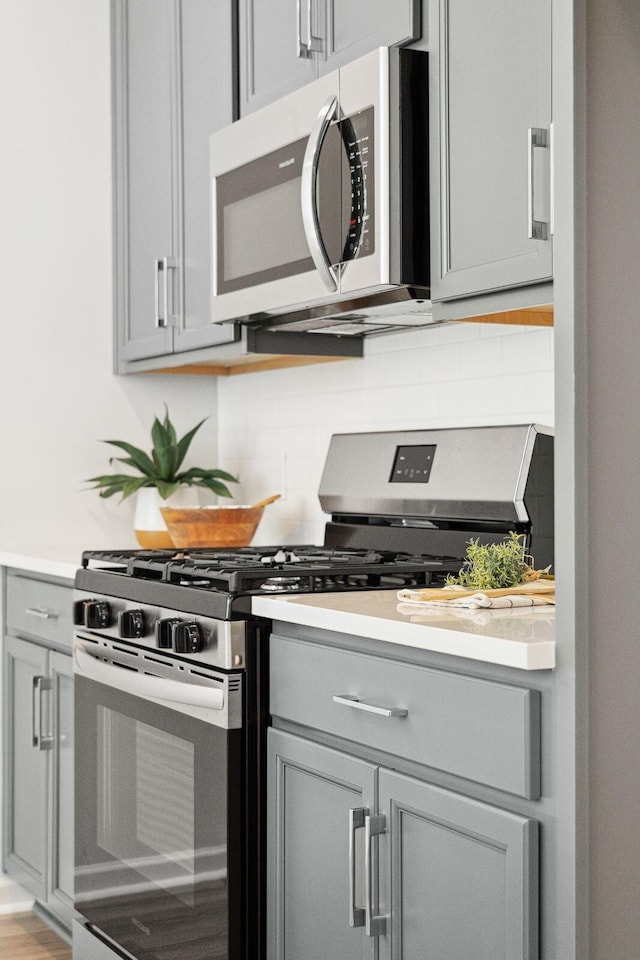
157,836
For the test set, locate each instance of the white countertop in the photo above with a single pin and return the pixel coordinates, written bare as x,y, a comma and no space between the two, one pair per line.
520,637
60,560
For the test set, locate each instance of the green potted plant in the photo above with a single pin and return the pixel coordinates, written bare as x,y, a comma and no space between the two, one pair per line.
158,477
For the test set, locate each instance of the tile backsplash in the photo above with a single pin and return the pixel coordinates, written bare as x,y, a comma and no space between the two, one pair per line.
274,428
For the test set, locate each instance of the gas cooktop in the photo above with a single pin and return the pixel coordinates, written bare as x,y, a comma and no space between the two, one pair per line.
272,569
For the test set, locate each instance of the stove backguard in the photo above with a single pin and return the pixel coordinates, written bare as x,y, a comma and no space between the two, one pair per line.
431,491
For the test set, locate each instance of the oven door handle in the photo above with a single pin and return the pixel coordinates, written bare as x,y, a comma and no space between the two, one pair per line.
146,685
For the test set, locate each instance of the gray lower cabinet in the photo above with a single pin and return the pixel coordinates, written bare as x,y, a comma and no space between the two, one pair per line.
449,877
404,806
287,43
38,823
311,791
174,85
490,133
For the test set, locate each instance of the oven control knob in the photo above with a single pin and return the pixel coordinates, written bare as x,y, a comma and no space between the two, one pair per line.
97,614
164,632
131,625
79,612
187,637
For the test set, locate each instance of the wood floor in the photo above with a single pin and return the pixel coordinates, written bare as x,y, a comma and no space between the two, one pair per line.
25,937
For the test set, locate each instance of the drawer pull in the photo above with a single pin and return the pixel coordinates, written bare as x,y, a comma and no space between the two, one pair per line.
350,701
41,613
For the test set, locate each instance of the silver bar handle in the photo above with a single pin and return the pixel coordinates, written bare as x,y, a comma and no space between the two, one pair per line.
164,317
538,229
350,701
146,685
304,49
39,739
375,924
160,320
356,822
42,613
308,193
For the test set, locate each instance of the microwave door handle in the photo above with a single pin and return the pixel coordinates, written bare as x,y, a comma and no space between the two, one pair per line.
309,194
145,685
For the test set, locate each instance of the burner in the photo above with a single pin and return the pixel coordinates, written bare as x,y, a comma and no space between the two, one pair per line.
282,584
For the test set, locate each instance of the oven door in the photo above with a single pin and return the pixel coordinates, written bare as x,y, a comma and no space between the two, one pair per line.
159,843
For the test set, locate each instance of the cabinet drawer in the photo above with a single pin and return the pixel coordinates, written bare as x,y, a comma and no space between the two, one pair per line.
40,609
481,730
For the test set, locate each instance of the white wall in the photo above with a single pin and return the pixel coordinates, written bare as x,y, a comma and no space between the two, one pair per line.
57,391
274,428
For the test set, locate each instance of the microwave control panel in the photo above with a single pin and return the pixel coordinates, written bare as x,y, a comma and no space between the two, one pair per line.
358,138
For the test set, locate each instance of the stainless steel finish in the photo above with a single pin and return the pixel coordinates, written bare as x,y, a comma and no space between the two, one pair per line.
369,295
309,194
304,48
211,696
40,740
552,180
356,822
164,318
253,137
157,267
375,925
537,229
222,640
479,473
41,613
350,701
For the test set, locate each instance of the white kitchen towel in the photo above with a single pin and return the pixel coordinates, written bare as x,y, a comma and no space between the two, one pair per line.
478,601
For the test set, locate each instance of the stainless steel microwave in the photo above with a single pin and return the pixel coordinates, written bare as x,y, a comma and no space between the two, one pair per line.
320,204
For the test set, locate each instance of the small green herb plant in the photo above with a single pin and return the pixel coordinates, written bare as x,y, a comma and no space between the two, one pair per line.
162,467
493,566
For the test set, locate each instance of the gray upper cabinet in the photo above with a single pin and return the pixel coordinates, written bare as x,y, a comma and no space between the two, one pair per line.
287,43
490,117
173,86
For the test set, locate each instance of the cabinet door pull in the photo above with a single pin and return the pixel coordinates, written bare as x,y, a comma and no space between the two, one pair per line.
304,49
41,613
356,822
375,924
350,701
39,739
164,317
538,229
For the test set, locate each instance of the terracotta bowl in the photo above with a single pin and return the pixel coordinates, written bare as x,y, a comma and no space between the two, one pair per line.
232,526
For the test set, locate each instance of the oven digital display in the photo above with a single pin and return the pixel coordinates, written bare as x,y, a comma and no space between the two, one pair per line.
413,464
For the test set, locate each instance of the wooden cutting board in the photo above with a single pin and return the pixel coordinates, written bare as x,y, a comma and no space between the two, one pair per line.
544,588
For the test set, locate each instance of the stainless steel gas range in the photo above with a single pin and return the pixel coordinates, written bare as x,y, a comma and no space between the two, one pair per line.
171,667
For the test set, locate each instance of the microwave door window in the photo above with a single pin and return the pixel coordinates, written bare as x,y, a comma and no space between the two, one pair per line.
259,230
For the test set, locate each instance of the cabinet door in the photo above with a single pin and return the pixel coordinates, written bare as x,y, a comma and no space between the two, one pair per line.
491,73
206,100
61,832
458,877
310,792
271,62
352,29
144,67
26,742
